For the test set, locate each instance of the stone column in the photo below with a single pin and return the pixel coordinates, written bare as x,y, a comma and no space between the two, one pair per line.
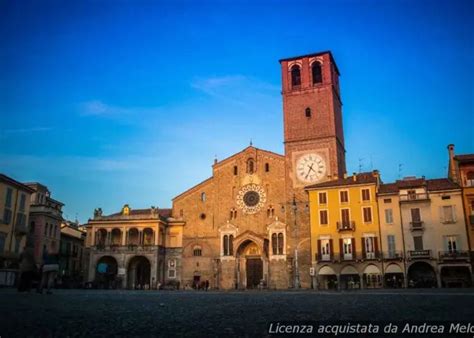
338,282
156,235
124,236
361,281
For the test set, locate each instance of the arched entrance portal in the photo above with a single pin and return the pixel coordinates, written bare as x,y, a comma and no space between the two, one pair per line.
138,273
106,273
421,275
249,265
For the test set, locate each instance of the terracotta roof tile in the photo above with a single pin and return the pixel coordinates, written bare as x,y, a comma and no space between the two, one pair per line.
464,158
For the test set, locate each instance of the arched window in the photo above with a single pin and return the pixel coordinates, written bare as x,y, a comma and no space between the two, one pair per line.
231,245
236,170
226,245
116,236
308,112
250,166
197,251
148,236
274,244
267,167
295,76
470,179
203,197
316,72
280,243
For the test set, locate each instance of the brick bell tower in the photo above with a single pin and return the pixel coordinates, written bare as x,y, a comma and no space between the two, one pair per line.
314,142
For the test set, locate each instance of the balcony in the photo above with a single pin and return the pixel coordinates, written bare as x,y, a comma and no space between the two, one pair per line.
454,256
346,226
393,255
347,257
367,256
416,225
419,254
124,248
414,197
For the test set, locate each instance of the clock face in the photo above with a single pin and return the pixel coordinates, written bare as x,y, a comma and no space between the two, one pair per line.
310,168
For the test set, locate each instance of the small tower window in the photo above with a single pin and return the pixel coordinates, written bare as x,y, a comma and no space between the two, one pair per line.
316,73
267,167
197,251
308,112
203,196
295,76
236,171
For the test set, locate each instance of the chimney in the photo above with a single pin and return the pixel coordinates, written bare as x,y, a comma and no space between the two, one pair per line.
354,177
452,170
345,175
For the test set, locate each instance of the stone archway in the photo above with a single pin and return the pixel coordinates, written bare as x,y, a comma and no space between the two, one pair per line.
106,272
250,265
138,273
421,275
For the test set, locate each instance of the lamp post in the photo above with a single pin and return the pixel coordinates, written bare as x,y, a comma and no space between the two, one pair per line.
297,273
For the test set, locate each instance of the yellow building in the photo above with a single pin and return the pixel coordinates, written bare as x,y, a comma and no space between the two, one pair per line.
14,211
345,238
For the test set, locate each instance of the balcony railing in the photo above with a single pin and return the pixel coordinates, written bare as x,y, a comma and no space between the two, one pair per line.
393,255
414,197
125,248
454,255
346,226
416,225
419,254
367,256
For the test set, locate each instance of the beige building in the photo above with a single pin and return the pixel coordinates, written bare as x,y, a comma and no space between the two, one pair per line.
45,220
134,249
14,214
71,254
433,232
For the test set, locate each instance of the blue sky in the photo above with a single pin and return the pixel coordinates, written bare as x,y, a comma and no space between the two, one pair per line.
120,102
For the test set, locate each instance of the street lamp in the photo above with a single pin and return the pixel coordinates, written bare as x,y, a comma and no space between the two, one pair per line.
297,273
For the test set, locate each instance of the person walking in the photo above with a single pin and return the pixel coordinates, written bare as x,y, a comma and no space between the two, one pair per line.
27,266
49,270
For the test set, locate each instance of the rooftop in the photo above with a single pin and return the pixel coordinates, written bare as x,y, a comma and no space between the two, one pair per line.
370,177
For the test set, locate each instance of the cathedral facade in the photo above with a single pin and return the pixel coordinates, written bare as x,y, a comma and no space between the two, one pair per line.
248,225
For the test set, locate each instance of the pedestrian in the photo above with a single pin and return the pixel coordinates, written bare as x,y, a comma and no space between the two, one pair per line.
27,266
207,285
49,270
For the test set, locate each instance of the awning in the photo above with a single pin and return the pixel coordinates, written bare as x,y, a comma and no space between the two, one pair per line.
393,268
372,270
326,271
349,270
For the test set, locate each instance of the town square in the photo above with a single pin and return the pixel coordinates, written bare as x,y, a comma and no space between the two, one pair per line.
167,170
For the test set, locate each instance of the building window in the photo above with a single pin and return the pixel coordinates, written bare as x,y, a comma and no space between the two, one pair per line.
415,215
323,217
447,214
236,170
347,248
267,167
388,216
295,76
277,243
7,216
387,200
203,197
366,194
367,214
325,249
22,203
270,211
345,218
250,166
228,245
451,244
181,213
32,227
411,195
3,237
470,179
344,196
8,198
307,112
391,246
171,268
418,242
197,251
322,198
233,213
46,229
316,72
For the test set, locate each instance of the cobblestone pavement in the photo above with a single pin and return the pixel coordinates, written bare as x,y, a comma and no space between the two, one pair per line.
91,313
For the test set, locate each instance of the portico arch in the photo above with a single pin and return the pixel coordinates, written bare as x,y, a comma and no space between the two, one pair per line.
251,264
138,273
